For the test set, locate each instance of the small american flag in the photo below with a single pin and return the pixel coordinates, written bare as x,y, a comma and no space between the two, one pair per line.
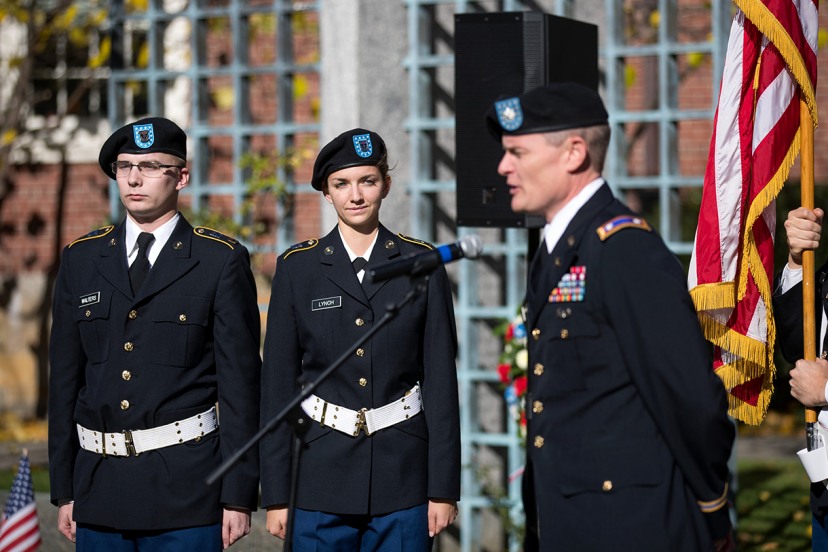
19,529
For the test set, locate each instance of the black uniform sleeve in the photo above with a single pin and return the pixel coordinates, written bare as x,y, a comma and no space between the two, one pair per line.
67,363
237,334
281,367
669,359
440,395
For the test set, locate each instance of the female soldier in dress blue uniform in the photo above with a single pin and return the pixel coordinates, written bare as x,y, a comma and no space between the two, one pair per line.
381,466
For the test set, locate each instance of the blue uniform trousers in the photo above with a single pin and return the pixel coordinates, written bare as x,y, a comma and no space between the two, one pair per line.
401,531
90,538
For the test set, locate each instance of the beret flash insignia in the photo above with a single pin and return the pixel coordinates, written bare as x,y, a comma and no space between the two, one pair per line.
144,135
363,146
509,113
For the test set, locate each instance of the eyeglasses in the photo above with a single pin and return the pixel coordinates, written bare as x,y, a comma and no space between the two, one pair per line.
146,168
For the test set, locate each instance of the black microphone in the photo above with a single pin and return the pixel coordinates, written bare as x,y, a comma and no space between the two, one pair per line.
469,247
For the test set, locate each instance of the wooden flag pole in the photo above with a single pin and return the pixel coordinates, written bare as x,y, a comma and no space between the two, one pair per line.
806,129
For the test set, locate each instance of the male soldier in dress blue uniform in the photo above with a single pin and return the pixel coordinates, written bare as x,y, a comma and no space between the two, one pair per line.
154,366
381,469
628,436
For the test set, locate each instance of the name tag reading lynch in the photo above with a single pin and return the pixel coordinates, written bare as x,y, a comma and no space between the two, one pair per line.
327,303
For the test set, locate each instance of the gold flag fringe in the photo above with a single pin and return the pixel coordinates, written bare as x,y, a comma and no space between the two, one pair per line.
768,25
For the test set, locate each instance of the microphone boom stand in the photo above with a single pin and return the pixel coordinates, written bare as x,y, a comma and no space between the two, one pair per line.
293,413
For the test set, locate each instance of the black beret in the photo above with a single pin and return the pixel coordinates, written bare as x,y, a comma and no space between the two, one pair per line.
150,135
354,148
555,106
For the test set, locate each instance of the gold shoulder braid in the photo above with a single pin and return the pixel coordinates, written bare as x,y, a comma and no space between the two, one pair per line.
301,246
209,233
619,223
94,234
409,239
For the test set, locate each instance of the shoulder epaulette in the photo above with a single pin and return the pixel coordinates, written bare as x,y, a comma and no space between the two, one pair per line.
209,233
99,233
619,223
301,246
409,239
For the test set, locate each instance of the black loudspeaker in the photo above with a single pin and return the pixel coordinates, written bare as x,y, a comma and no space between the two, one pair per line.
501,55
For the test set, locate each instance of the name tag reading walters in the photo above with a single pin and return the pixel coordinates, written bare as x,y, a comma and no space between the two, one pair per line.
90,299
327,303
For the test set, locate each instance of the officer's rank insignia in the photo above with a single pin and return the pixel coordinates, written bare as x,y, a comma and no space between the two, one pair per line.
301,246
204,232
619,223
99,233
571,288
326,303
509,113
362,145
144,135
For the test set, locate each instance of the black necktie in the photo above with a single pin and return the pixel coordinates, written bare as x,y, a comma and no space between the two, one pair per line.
359,263
140,267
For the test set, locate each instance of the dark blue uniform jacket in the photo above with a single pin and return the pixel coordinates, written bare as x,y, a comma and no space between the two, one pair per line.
628,436
397,467
188,339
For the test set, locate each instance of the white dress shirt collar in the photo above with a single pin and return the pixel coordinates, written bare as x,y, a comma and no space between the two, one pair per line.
555,228
162,235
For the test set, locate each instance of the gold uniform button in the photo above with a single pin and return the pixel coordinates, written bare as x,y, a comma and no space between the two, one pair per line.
128,346
360,352
182,317
363,382
536,334
538,441
558,261
359,322
124,405
570,241
824,355
606,486
133,314
538,369
537,407
126,375
564,333
88,313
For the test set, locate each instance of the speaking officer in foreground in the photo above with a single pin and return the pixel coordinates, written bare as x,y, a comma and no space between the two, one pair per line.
154,324
628,436
381,469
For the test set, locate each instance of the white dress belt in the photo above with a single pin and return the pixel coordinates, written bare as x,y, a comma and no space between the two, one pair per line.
350,422
134,442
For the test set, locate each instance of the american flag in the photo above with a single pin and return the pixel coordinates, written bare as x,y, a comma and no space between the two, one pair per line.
770,66
19,530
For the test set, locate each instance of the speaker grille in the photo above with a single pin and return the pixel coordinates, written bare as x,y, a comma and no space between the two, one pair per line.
504,54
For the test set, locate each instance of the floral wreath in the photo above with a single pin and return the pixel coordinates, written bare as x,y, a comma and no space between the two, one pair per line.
512,367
